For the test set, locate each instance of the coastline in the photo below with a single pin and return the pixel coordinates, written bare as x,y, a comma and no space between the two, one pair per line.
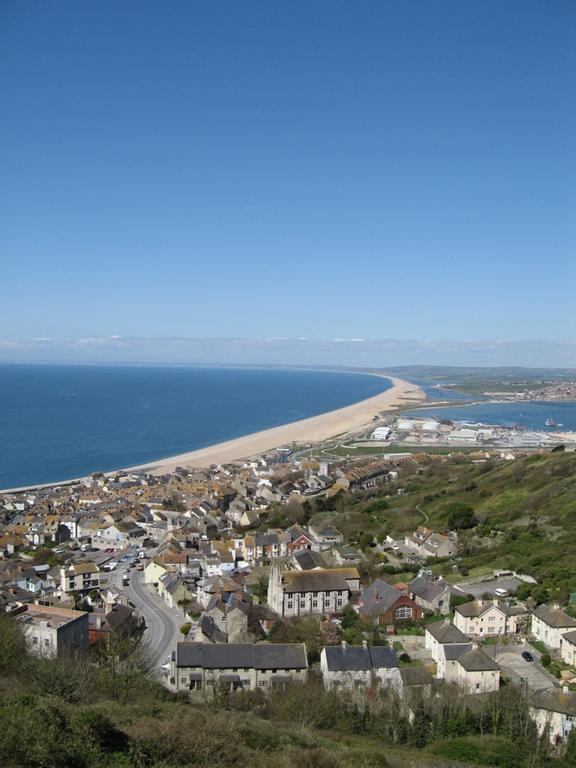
324,426
311,430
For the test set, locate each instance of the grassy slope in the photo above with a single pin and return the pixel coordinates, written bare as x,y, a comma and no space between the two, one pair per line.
526,509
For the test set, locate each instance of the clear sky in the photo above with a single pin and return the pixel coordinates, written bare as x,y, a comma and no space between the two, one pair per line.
296,168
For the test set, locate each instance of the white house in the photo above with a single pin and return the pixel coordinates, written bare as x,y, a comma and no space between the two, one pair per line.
485,617
555,709
474,671
550,624
354,666
568,649
445,643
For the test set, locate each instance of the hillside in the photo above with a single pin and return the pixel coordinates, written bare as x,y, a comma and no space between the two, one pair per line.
522,512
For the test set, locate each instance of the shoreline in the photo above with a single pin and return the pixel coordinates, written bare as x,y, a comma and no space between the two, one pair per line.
313,429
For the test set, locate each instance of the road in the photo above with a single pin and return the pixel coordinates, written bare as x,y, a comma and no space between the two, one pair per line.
510,584
520,671
162,622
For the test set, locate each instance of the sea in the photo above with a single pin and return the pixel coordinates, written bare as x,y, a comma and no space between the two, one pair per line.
58,422
530,415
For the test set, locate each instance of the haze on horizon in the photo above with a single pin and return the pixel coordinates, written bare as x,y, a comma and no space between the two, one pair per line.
294,182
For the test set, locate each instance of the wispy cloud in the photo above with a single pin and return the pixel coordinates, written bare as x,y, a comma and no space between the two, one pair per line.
354,351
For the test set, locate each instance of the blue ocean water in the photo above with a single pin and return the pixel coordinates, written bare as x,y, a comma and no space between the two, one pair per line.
64,421
531,415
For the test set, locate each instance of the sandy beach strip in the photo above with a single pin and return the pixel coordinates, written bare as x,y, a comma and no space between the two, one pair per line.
312,430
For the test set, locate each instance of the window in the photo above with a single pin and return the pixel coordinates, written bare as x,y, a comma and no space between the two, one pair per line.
263,683
403,612
183,680
290,604
314,603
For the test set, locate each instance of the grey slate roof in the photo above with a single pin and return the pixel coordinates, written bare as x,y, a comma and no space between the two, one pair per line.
318,580
554,700
378,598
354,658
479,607
570,637
444,632
428,589
554,617
237,655
477,661
307,559
453,652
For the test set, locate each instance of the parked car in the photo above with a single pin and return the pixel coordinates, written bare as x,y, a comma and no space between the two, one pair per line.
110,549
527,656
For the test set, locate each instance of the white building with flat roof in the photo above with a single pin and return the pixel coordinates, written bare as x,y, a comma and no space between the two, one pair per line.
52,631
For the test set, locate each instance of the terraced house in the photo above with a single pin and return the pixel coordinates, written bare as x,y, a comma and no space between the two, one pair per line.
79,577
202,668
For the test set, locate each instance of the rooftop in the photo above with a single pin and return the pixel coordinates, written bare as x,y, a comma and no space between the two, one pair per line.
39,615
241,655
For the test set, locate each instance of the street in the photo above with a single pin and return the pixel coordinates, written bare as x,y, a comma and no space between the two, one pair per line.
162,622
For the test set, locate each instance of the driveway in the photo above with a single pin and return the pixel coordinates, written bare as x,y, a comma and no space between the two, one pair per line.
520,671
510,584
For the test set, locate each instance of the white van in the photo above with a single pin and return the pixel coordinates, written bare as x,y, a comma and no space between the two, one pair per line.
501,592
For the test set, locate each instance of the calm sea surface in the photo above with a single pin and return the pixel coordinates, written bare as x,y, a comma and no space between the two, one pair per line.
531,415
61,422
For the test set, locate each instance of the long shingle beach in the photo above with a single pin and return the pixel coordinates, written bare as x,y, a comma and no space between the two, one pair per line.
311,430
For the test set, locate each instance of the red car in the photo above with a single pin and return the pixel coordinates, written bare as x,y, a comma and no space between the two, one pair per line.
110,549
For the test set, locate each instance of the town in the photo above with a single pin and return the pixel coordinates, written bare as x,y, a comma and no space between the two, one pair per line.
234,578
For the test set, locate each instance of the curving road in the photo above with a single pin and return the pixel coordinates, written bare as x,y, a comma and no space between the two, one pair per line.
162,623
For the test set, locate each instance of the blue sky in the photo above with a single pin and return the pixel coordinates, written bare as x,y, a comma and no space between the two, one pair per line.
317,169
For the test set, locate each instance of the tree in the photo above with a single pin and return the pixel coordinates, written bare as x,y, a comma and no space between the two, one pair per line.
124,665
460,516
64,676
185,628
13,655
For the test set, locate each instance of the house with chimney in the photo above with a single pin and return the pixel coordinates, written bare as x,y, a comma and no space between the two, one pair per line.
481,618
549,625
358,666
384,604
201,669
